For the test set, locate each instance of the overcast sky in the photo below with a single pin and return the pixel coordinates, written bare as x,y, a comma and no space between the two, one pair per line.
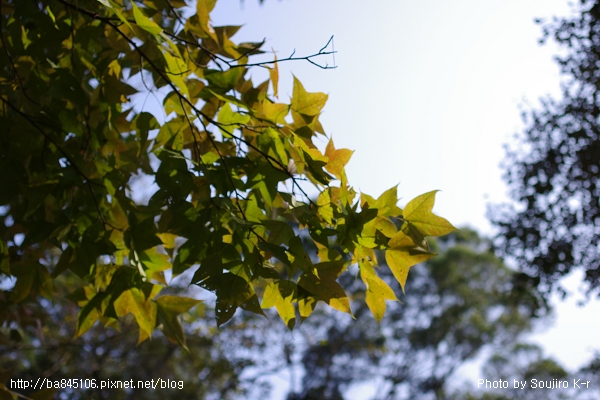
426,93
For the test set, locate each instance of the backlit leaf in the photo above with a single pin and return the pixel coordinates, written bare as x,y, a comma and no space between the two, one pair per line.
144,310
168,310
307,103
274,75
325,287
282,297
144,22
377,290
337,159
418,212
203,9
400,261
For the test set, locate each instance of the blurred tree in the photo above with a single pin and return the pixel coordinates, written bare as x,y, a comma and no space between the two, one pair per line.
554,174
533,372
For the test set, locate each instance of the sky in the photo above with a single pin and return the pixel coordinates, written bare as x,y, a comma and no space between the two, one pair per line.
426,93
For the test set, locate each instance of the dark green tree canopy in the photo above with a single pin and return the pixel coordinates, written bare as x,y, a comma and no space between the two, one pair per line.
233,163
554,175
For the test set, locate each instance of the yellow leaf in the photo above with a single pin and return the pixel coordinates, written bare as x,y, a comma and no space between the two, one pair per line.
275,112
307,103
168,309
401,240
168,240
177,70
274,74
386,204
377,290
103,276
338,158
114,69
325,209
155,263
203,9
400,262
418,213
306,305
133,301
274,296
176,304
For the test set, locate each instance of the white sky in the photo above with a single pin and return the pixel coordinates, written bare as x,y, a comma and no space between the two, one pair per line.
426,93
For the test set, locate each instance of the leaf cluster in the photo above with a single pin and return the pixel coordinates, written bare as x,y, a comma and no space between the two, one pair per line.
231,161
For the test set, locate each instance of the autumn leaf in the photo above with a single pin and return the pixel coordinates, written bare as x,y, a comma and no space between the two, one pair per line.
418,213
306,103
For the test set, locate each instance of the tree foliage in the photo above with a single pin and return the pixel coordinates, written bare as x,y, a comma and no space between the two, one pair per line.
211,367
554,175
234,165
458,306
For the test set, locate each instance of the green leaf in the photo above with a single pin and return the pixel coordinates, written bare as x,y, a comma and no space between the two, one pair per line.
279,232
325,287
119,14
26,41
232,292
144,22
168,310
231,120
144,234
80,162
225,79
22,288
156,263
44,394
4,258
45,286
